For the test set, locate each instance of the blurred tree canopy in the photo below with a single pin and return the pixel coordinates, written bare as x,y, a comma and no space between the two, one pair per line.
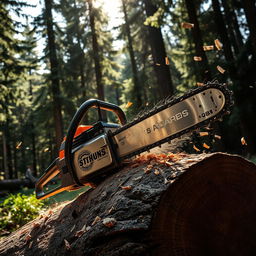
71,51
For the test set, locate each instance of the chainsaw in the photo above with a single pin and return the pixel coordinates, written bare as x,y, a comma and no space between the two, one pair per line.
90,153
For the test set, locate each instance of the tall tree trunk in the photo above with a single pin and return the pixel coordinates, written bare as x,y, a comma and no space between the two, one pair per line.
32,126
82,58
8,149
117,95
137,88
15,166
96,56
250,14
55,82
163,75
239,36
6,173
230,24
198,41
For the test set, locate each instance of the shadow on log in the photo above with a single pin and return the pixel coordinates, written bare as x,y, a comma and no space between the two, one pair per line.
180,205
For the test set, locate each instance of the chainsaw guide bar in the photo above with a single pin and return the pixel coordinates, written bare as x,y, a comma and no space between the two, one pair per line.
90,153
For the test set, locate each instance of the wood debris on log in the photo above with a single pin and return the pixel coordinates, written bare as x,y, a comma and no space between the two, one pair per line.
109,222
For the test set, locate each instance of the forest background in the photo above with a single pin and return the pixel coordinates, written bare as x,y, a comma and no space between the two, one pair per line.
71,51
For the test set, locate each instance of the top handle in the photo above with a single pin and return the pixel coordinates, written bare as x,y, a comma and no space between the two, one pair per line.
92,103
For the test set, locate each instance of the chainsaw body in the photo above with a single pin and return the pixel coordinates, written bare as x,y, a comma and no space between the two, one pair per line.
89,153
86,153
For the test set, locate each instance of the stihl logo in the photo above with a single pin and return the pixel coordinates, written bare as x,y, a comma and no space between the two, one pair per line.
168,121
87,158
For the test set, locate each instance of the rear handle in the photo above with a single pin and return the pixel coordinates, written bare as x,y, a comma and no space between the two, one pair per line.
51,172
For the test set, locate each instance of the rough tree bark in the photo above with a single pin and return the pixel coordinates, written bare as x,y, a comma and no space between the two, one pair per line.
180,205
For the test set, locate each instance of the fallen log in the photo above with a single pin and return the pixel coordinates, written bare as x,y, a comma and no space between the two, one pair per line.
177,205
15,184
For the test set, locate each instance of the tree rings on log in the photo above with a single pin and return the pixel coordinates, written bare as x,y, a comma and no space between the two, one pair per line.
210,210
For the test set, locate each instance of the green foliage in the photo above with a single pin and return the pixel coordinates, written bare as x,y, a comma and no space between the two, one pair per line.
17,210
156,19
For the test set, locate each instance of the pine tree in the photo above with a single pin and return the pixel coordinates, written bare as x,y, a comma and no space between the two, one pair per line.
54,66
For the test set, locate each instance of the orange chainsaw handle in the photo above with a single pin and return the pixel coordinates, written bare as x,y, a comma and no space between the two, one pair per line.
51,172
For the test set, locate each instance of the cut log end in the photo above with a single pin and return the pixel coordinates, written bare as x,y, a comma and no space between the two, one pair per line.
209,211
181,205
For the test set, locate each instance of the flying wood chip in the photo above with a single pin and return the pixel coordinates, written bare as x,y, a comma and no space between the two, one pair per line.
243,141
197,58
220,69
217,137
218,44
195,148
187,25
206,146
208,47
129,104
202,134
167,62
18,145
